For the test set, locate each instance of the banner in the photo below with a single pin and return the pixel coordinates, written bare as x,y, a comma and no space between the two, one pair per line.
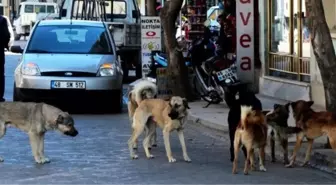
245,40
150,40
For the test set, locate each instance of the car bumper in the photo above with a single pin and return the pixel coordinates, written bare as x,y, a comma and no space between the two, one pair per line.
92,83
67,95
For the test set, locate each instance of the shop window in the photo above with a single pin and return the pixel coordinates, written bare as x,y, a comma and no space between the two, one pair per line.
289,45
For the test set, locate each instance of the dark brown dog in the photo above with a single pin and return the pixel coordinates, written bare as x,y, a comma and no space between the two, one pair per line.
279,129
313,125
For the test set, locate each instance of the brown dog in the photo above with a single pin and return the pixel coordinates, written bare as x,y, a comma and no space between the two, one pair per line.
252,133
168,115
314,124
279,129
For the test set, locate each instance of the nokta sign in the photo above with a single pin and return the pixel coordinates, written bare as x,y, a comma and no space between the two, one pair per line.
245,40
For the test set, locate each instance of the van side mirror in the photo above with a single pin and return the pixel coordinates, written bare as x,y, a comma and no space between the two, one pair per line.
135,14
63,13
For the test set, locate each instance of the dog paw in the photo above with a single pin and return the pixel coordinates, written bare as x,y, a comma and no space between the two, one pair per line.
150,156
234,171
246,172
304,164
45,160
262,169
290,165
171,159
187,159
135,157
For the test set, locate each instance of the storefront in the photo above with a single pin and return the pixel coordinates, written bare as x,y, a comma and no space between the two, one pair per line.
290,69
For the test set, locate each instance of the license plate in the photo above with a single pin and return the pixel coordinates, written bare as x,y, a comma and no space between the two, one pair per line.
68,85
224,74
131,73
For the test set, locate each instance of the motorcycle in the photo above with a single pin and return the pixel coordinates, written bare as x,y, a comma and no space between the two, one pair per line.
215,76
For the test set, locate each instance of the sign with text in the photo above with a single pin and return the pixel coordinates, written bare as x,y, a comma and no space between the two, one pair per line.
150,40
245,40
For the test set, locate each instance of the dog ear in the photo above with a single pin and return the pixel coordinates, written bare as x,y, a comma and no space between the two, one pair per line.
310,103
265,112
287,106
60,119
185,103
275,106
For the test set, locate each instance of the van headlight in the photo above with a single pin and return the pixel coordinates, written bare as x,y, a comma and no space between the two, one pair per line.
30,69
106,70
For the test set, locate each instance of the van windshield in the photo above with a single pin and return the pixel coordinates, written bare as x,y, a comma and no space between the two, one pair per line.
70,39
39,8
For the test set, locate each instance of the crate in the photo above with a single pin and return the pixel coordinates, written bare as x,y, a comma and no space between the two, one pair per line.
132,35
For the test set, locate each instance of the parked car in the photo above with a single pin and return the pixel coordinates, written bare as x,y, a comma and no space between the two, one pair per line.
69,60
10,28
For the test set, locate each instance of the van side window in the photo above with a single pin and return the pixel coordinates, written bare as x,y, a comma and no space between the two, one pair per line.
50,9
40,8
29,8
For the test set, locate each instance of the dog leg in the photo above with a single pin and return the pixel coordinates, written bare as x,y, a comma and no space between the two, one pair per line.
308,151
166,140
40,146
153,139
34,142
252,164
299,138
247,159
137,130
147,141
272,141
152,128
262,159
2,133
284,144
236,152
183,145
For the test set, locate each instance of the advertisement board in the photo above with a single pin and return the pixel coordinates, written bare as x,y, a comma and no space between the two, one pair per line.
245,40
150,40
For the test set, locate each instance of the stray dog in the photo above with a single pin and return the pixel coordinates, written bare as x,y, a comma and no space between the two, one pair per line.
245,98
142,90
35,119
313,125
168,115
252,133
279,129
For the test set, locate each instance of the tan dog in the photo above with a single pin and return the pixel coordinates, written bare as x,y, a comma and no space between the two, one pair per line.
142,90
252,133
313,125
35,119
168,115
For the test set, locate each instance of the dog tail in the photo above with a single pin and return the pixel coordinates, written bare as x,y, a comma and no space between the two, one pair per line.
141,87
244,112
293,130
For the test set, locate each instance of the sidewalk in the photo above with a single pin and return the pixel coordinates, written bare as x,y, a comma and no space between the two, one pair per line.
215,117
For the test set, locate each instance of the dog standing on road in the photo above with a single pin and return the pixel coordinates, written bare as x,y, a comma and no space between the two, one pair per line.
279,129
247,98
168,115
35,119
313,125
142,90
252,133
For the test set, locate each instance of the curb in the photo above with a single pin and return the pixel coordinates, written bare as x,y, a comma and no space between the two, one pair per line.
319,159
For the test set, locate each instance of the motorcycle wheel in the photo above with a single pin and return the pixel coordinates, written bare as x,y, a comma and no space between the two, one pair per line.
210,97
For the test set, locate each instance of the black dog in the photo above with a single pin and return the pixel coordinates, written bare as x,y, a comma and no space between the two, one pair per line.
245,98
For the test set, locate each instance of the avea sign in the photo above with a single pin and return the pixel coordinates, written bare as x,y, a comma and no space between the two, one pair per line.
245,39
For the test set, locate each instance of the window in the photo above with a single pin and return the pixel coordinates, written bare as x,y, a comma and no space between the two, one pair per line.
119,9
29,9
70,39
40,9
50,9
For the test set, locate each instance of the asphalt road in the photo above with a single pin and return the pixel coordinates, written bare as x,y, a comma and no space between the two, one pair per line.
99,154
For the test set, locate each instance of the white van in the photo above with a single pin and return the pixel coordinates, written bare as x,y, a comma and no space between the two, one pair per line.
31,12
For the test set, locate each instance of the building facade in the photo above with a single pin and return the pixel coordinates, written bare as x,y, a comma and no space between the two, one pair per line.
290,69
